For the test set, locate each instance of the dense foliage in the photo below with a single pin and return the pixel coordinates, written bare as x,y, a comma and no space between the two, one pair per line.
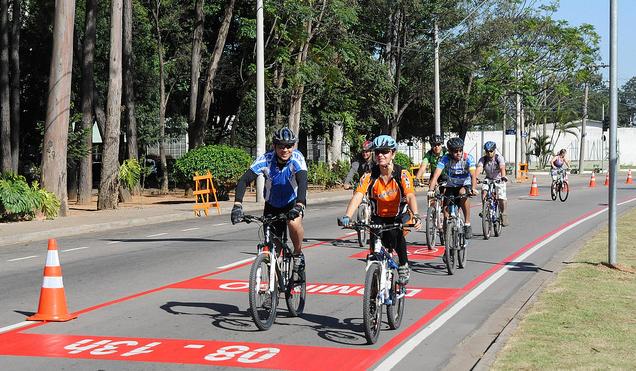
226,165
19,200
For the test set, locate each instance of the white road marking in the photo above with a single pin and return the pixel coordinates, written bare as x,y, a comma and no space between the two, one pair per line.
77,248
156,235
112,242
236,263
401,352
194,346
15,326
189,229
26,257
216,225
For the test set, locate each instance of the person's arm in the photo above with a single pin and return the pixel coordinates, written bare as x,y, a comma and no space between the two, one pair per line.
356,200
552,162
301,179
422,169
433,181
567,162
245,180
355,165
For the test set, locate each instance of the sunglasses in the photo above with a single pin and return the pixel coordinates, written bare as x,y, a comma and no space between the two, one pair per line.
382,151
456,150
436,144
285,146
491,151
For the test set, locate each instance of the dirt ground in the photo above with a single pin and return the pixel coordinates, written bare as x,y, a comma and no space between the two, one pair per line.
151,197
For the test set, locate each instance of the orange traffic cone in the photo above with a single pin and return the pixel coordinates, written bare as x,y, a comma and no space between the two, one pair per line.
606,178
593,180
52,298
566,186
534,191
629,177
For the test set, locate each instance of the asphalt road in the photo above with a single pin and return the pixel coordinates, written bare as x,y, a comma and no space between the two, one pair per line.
174,294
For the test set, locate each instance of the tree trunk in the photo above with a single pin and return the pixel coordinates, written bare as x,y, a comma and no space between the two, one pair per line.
198,131
163,99
129,96
195,73
5,120
85,171
15,86
109,183
59,103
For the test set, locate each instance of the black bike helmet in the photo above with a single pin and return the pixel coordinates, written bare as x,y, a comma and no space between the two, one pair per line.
366,146
284,136
382,142
436,139
490,146
455,143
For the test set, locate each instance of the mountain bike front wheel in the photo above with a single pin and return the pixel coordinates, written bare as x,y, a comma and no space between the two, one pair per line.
553,191
263,299
372,304
486,221
450,240
431,227
395,311
461,249
564,191
296,292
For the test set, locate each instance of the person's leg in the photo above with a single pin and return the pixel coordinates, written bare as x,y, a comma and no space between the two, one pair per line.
503,203
296,233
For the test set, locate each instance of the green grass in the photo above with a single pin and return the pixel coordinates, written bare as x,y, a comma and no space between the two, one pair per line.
586,318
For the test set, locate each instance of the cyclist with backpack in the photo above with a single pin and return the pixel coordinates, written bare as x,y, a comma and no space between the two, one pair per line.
462,179
432,156
360,164
494,166
390,190
285,191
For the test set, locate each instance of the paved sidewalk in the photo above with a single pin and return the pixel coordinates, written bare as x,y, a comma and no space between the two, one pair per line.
99,220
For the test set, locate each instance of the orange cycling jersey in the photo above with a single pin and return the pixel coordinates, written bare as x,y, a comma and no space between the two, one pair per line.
387,199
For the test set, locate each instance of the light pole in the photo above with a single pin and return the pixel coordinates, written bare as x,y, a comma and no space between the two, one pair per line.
260,95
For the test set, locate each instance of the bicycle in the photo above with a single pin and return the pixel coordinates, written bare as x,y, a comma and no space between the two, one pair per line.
455,241
435,219
490,211
381,287
560,186
364,215
272,273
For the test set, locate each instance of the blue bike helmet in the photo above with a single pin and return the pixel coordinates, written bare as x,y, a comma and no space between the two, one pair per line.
284,136
384,141
455,143
490,146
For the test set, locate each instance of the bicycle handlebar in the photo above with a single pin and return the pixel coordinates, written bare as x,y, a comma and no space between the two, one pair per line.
265,219
488,181
375,226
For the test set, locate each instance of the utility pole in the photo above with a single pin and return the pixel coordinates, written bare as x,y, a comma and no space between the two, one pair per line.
612,223
438,120
260,95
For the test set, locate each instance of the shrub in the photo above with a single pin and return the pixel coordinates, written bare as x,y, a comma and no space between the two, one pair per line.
403,160
319,173
226,165
129,173
19,201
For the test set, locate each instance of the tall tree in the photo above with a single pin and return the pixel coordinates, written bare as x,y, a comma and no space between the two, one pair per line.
85,171
5,121
109,182
128,88
198,131
195,73
15,84
58,106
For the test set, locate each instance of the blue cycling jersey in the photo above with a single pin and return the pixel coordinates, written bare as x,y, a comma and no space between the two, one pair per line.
281,186
458,171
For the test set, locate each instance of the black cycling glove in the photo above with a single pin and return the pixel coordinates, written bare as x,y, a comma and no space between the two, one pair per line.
237,214
296,211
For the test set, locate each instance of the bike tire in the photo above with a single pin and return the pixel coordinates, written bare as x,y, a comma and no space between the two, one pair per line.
564,191
259,292
497,227
461,250
485,220
449,250
395,311
431,227
364,215
296,292
553,191
371,304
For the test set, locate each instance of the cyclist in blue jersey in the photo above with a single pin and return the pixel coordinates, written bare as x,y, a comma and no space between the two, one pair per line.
285,172
462,178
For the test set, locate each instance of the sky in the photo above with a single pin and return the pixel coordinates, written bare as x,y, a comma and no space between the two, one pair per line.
597,14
